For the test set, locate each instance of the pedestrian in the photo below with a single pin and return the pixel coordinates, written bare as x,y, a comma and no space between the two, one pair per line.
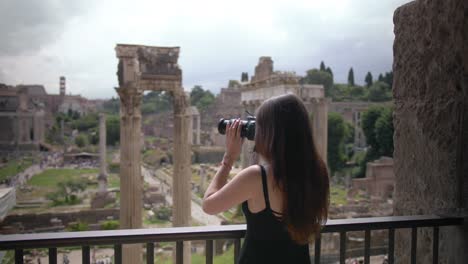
285,200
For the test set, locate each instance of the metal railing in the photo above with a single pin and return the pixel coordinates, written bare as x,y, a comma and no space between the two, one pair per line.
210,233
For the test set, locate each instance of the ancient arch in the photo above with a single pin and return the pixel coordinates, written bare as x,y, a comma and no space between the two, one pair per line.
144,68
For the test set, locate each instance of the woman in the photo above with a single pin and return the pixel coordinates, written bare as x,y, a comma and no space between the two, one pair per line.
286,201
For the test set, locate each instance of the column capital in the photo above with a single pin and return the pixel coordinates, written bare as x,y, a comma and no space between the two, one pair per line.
130,100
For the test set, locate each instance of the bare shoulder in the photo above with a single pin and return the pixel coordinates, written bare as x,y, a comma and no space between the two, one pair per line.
249,173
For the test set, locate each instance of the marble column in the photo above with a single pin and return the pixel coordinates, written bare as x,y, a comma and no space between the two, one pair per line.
319,111
102,178
36,128
198,142
181,192
247,157
131,183
190,125
202,174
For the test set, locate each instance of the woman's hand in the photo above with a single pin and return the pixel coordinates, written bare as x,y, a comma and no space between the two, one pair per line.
233,141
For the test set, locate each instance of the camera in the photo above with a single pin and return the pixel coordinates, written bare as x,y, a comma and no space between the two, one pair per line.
247,129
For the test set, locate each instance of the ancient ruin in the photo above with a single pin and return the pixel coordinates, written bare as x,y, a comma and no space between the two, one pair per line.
352,112
150,68
102,197
379,181
23,124
431,123
267,83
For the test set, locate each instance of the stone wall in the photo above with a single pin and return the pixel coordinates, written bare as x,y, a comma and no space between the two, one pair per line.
31,222
431,122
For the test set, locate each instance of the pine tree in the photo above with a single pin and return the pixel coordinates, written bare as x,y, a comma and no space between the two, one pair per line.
329,70
351,77
381,79
322,66
245,77
368,79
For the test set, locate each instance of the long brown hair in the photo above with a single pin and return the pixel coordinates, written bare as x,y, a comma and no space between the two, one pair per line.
284,138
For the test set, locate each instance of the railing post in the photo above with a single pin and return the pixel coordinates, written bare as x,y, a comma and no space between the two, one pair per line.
149,253
342,247
180,252
367,242
209,251
19,256
435,245
318,241
391,246
236,249
52,255
414,244
118,254
85,254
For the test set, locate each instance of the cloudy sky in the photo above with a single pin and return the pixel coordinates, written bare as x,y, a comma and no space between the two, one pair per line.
44,39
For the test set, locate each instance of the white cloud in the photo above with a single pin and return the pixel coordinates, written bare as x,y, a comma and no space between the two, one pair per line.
218,39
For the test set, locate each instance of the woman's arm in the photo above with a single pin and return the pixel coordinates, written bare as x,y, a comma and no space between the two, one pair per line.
220,196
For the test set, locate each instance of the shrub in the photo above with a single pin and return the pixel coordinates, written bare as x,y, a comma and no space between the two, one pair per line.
78,226
110,225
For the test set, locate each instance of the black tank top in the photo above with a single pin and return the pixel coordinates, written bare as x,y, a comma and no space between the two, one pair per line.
267,239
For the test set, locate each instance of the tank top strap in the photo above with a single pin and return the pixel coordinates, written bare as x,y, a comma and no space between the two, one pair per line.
265,187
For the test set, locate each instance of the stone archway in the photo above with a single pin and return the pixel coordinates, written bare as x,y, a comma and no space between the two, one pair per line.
143,68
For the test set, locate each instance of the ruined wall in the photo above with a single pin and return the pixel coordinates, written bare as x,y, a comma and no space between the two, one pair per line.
431,122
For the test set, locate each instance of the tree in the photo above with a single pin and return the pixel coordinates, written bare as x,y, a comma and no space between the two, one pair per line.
245,77
112,129
380,92
315,76
380,79
368,79
111,106
202,99
329,70
337,133
86,122
357,92
388,78
322,66
368,120
196,94
232,84
156,102
384,132
351,77
81,141
67,192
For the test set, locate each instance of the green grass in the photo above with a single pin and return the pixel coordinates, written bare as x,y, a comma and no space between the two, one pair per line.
113,180
50,177
338,195
14,167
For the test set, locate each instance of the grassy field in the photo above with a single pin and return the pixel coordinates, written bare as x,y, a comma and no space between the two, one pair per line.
14,167
51,177
338,195
42,184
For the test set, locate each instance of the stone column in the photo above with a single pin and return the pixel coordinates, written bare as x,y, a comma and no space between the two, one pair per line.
198,142
202,174
319,109
247,157
130,168
41,125
36,128
102,178
190,125
181,191
430,91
